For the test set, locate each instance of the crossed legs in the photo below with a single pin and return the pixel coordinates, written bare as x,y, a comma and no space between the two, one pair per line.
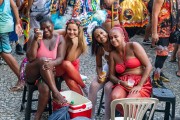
33,71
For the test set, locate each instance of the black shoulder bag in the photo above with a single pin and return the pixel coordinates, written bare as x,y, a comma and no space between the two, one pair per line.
174,36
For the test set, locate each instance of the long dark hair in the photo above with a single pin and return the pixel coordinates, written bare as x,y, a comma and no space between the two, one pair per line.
95,44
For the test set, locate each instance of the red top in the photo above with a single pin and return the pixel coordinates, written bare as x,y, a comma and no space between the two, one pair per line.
130,63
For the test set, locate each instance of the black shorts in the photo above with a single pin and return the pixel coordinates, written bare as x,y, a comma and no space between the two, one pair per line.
178,41
163,42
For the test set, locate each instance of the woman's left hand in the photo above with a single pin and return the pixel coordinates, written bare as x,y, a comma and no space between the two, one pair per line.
48,65
135,89
18,29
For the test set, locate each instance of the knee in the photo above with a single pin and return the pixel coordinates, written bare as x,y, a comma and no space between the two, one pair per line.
41,61
94,85
115,96
108,86
43,88
66,64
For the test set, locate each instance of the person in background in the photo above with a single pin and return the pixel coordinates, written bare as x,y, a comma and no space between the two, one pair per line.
147,35
45,51
37,8
7,26
176,51
101,49
124,13
25,22
13,37
129,70
76,46
162,26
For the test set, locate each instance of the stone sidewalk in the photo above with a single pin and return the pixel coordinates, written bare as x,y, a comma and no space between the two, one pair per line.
10,101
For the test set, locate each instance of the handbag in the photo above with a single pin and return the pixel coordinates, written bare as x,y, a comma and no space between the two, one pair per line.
174,36
61,114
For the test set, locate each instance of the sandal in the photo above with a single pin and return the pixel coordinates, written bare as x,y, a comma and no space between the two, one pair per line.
17,88
177,74
173,60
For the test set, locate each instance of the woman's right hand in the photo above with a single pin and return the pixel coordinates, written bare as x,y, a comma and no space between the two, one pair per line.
101,76
38,34
125,84
155,38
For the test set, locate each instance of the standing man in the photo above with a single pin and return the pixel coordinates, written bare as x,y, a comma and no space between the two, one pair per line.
7,26
162,25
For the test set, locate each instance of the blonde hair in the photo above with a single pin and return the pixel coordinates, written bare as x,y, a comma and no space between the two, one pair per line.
81,40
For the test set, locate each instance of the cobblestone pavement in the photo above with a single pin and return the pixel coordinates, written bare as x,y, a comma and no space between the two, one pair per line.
10,101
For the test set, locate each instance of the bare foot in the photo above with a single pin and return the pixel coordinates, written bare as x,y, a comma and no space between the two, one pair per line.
59,99
178,74
18,87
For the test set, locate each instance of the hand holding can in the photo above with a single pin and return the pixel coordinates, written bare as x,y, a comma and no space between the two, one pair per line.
131,82
102,78
38,34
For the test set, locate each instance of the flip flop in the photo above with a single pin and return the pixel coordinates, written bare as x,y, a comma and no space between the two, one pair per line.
177,74
17,88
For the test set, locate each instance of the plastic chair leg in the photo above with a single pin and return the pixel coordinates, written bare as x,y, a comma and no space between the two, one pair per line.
173,109
100,104
167,112
23,99
28,105
50,106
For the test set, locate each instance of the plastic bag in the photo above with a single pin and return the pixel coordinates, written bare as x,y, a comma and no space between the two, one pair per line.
61,114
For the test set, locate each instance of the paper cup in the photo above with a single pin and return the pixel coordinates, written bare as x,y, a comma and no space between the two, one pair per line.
131,82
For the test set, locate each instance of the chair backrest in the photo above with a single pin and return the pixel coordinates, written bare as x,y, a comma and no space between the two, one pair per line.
134,108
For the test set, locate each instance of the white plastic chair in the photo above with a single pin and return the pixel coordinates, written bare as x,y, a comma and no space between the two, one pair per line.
134,108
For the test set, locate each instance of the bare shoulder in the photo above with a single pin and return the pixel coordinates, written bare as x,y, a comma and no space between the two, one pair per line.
61,37
100,51
60,31
113,53
133,45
